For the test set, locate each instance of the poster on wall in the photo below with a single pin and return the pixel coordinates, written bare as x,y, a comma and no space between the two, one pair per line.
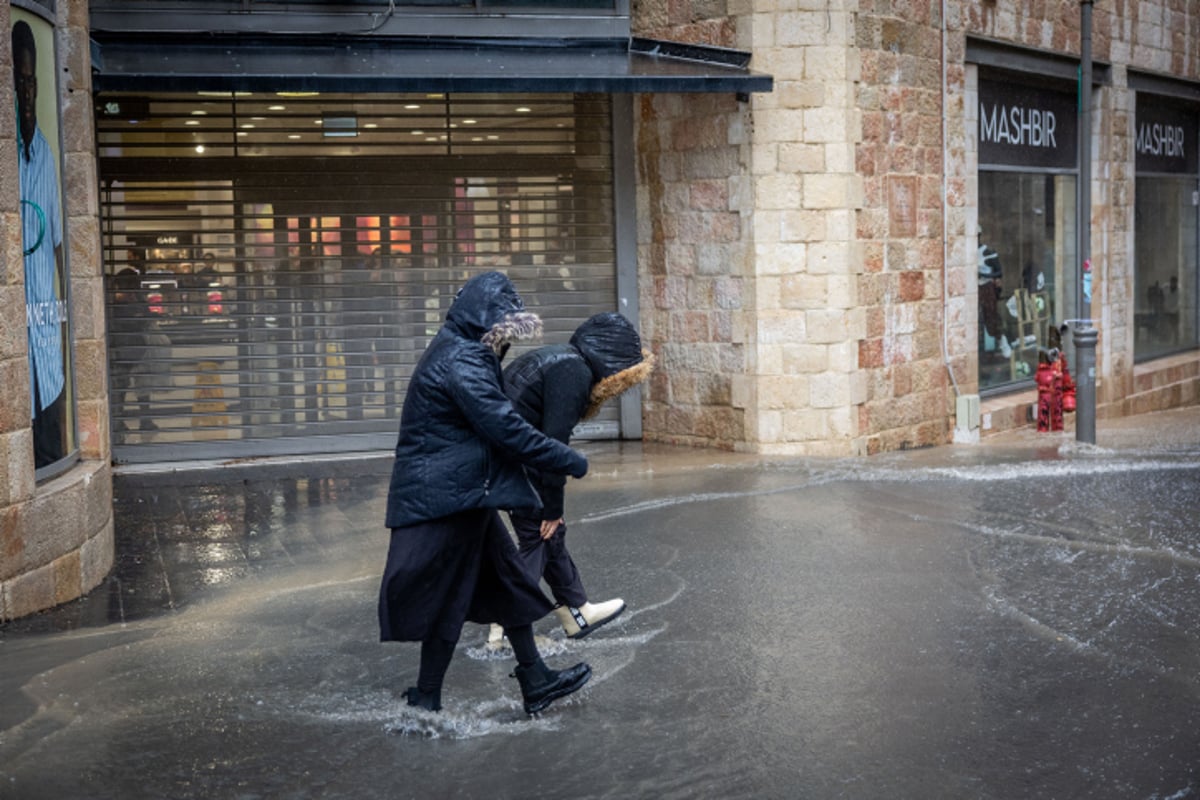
47,315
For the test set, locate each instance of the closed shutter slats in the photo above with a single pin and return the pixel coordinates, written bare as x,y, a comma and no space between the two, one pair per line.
282,298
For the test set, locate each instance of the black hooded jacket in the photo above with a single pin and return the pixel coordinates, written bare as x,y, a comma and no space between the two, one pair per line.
551,387
461,443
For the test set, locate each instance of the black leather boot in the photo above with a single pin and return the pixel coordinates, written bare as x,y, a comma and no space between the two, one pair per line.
541,686
430,701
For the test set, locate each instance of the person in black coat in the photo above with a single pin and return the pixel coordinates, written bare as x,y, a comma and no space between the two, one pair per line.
554,388
459,458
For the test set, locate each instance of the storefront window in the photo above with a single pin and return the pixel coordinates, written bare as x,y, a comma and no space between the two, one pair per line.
1026,254
47,310
1165,229
1027,247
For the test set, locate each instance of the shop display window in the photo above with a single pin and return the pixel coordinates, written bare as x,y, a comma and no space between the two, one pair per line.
1166,216
1026,251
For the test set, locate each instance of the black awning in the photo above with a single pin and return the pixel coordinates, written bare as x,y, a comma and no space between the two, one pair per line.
494,65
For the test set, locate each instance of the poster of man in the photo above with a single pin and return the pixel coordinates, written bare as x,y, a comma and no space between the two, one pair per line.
46,307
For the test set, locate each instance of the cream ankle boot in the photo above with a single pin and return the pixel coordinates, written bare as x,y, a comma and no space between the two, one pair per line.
495,640
498,641
579,622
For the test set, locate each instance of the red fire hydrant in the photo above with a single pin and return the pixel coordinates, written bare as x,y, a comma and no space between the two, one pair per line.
1050,397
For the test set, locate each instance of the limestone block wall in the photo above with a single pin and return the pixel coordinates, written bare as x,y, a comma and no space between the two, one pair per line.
808,261
693,255
695,245
56,537
900,227
748,253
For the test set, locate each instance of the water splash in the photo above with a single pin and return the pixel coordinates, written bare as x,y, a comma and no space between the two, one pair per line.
457,720
504,716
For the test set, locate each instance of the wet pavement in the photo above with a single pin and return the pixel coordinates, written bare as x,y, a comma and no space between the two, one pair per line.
1019,619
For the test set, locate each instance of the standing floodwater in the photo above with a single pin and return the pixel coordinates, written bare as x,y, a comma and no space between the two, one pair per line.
1014,620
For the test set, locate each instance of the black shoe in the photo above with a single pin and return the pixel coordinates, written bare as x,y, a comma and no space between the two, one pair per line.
430,701
541,686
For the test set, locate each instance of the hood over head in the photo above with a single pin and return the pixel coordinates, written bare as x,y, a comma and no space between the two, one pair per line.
609,343
613,350
488,309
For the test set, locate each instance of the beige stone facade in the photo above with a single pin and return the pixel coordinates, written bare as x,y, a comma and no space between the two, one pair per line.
808,256
56,536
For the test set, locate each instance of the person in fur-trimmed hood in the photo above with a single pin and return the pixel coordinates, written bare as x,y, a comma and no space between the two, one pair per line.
554,388
459,458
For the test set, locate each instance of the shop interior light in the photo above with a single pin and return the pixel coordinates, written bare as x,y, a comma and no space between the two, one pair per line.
412,106
276,108
192,122
339,127
199,148
297,94
199,112
523,109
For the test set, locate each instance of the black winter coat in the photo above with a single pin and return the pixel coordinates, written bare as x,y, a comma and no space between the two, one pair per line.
461,443
551,387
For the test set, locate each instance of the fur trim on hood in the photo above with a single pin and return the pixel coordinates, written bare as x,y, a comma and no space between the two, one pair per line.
618,383
516,326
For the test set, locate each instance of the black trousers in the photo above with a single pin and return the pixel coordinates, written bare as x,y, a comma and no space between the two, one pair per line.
549,559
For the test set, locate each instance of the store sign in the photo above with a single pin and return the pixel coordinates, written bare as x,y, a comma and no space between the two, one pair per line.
1024,126
1166,138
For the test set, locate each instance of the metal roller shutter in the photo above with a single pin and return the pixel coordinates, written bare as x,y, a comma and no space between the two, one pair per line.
270,294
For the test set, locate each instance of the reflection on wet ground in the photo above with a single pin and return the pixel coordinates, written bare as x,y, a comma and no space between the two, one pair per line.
1020,619
178,539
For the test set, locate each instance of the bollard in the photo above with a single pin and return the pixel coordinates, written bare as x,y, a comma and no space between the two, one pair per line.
1085,337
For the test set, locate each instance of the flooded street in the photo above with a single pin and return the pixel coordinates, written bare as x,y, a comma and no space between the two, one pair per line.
1017,620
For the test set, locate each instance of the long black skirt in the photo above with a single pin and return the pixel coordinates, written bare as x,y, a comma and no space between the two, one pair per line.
444,572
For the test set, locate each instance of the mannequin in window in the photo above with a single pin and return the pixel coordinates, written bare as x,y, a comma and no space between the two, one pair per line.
990,288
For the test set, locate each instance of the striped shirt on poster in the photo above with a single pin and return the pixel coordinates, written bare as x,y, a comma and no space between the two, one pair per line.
45,311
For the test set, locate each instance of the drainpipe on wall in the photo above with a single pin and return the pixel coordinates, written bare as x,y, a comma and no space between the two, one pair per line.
966,425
